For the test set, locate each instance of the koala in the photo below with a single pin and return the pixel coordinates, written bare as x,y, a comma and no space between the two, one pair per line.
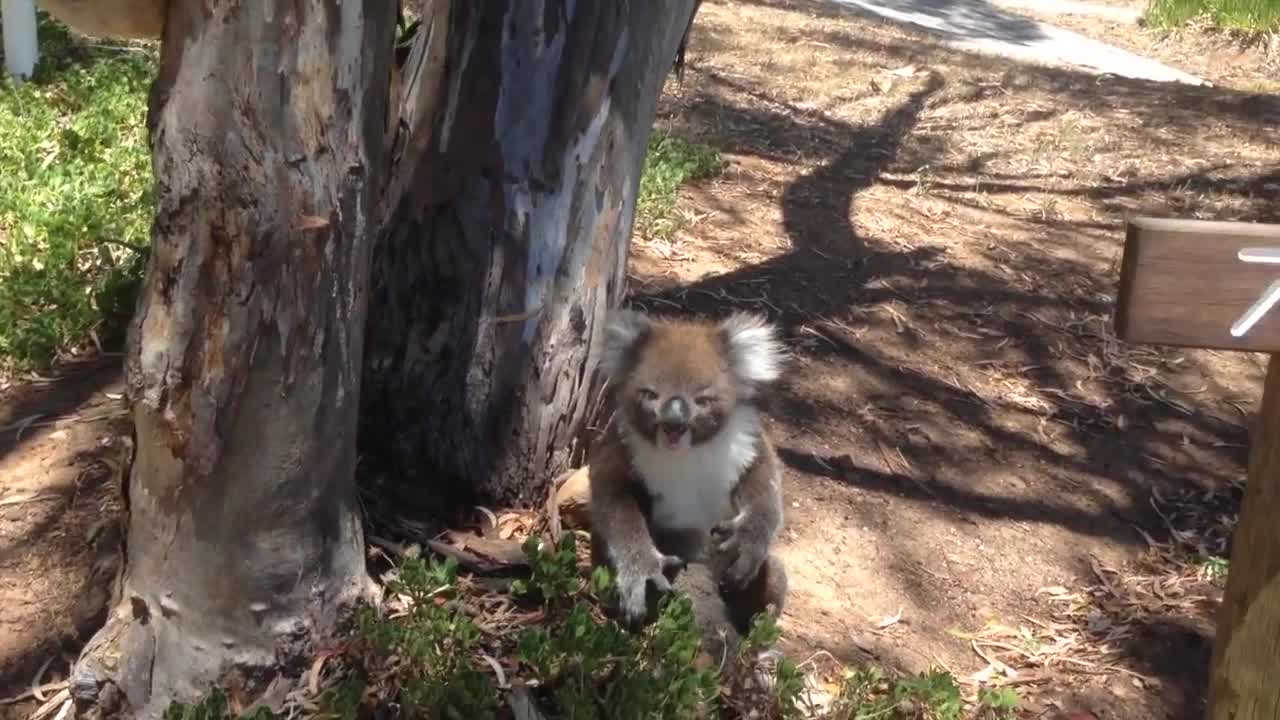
685,472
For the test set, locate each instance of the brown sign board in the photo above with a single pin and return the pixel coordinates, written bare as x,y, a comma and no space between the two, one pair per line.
1184,283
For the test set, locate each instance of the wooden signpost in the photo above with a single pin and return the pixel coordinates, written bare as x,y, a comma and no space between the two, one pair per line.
1216,285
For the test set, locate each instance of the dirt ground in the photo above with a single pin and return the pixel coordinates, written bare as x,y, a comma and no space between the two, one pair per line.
59,521
979,475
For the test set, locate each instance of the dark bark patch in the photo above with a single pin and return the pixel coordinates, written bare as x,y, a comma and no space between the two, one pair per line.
141,613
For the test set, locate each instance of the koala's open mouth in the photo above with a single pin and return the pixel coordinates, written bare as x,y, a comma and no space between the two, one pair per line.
674,438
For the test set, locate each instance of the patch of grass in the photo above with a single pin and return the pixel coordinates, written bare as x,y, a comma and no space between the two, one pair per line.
669,163
75,196
1254,16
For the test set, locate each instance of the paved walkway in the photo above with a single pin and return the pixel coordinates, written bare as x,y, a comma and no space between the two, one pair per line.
981,26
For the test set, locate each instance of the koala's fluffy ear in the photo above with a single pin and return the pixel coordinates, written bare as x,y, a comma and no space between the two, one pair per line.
624,329
755,354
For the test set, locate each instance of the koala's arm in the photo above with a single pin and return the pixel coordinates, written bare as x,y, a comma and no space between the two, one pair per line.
759,497
751,532
620,533
615,514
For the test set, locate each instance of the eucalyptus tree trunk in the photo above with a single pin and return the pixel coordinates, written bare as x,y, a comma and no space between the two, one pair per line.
509,245
244,539
495,164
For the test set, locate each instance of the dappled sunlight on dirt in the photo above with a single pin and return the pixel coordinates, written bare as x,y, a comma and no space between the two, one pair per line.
60,538
940,234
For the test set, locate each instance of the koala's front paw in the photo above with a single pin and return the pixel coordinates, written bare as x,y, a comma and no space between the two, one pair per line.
633,581
745,551
745,567
726,533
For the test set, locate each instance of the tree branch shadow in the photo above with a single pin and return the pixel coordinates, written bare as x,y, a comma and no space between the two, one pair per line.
1097,454
32,405
816,219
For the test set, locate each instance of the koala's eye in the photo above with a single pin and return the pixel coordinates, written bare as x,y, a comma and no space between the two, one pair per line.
646,395
705,401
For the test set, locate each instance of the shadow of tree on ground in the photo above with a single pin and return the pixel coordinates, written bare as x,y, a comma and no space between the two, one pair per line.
947,280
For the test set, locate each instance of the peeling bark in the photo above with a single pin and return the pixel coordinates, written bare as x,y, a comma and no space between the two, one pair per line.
244,360
510,244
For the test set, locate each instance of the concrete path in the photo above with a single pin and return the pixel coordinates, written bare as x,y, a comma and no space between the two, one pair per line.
981,26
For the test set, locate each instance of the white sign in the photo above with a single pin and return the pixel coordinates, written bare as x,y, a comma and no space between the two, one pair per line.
1270,296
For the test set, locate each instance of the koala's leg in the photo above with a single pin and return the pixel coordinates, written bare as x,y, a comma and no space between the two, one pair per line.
768,587
600,557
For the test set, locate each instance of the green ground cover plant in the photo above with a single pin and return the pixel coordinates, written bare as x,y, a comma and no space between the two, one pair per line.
75,196
446,645
1252,16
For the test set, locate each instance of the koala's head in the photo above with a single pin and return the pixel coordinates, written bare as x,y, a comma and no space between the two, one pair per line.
678,382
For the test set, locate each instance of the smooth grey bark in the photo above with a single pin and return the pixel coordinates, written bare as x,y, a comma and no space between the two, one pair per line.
244,539
509,246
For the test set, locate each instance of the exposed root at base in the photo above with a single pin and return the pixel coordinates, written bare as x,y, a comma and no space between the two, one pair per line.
138,663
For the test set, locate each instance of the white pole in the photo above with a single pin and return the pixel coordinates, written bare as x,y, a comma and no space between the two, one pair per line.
21,48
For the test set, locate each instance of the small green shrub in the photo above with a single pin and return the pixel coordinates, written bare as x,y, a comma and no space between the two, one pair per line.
997,702
428,655
780,698
75,196
1214,568
590,667
669,163
582,665
934,695
553,576
425,662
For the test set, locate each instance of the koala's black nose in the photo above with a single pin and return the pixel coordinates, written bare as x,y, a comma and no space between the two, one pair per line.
674,412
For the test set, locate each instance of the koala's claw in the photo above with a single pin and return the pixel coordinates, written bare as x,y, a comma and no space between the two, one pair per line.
671,562
633,585
726,533
744,558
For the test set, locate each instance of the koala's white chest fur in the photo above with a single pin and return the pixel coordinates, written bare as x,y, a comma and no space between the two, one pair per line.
692,487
